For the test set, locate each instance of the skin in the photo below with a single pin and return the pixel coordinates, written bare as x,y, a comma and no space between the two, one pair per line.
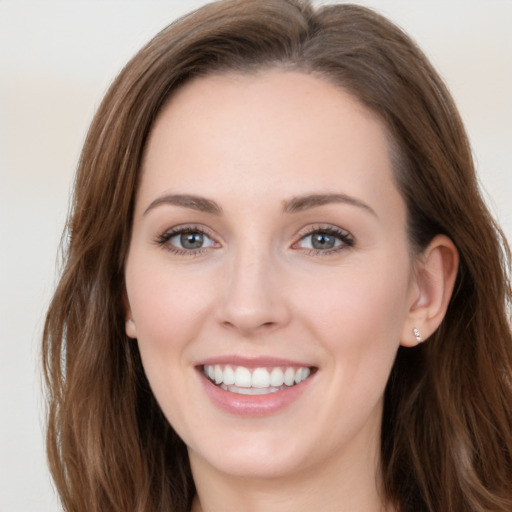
251,143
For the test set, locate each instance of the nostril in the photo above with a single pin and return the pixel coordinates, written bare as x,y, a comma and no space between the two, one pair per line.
248,328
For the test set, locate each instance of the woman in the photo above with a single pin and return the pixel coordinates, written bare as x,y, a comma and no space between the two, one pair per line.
282,288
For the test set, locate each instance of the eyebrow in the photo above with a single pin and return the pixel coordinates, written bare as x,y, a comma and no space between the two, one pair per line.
300,203
200,204
293,205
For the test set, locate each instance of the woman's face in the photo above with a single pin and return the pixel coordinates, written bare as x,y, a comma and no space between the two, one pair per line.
269,247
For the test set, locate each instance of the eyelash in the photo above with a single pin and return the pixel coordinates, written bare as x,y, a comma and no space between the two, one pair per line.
163,240
345,238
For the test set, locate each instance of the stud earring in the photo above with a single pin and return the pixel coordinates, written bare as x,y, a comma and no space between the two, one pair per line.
417,334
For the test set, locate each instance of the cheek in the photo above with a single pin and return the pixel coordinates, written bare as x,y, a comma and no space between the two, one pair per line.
165,306
359,314
167,315
166,312
362,294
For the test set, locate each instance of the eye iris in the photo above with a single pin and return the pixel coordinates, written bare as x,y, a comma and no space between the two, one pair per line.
323,241
191,240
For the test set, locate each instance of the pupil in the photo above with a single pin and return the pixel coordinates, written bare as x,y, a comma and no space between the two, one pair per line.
323,241
192,240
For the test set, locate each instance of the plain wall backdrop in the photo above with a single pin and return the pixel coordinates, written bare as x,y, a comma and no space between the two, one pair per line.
56,60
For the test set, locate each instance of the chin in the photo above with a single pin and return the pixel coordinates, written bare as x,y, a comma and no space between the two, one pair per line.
252,459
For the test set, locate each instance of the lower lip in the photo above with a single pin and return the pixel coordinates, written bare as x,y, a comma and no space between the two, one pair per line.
253,405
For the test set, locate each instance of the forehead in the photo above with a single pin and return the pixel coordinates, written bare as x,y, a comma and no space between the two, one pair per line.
294,105
268,132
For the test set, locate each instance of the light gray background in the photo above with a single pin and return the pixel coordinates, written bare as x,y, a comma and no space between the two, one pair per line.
56,61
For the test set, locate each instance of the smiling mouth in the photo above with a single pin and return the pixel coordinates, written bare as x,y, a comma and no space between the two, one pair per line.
255,381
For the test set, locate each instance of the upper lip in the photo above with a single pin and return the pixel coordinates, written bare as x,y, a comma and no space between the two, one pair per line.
252,362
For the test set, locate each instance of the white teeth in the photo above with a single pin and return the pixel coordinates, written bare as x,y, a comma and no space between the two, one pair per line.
249,391
302,374
229,376
248,382
242,377
277,377
289,376
260,378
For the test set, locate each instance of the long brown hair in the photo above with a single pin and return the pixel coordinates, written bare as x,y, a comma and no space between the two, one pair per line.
447,425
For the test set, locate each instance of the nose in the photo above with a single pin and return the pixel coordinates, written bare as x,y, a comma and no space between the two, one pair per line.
254,298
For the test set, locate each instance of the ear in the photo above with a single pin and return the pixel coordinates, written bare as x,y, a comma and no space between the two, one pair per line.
129,325
434,278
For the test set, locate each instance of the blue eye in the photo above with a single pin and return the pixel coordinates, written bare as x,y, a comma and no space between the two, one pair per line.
325,240
189,240
185,240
